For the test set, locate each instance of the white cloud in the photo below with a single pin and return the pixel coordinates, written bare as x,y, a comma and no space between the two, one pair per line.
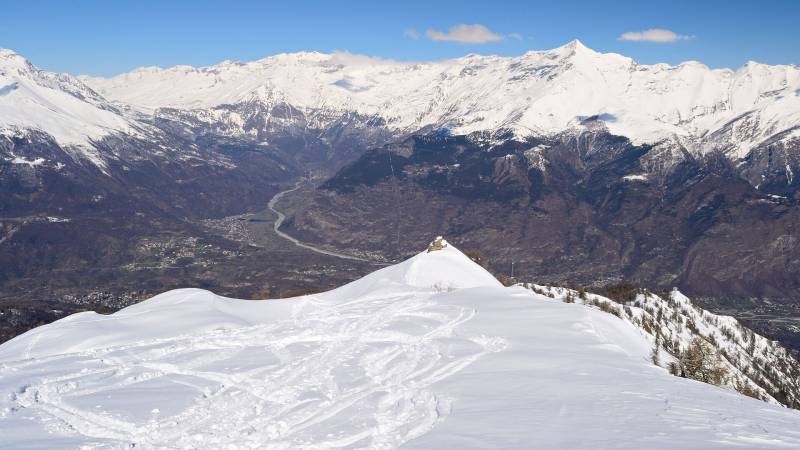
653,35
465,34
345,58
515,36
411,34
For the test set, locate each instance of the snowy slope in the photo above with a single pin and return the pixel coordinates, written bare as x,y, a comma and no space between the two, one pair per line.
539,92
429,353
57,104
752,362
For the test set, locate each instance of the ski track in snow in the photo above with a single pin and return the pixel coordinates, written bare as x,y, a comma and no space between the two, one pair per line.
429,353
364,366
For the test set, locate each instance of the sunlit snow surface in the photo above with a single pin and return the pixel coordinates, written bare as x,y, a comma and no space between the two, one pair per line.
430,353
57,104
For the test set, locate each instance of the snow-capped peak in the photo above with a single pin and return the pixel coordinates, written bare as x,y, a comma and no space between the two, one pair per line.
10,58
574,48
445,269
57,104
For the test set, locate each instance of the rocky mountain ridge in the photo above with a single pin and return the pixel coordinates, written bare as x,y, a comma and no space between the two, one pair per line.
541,93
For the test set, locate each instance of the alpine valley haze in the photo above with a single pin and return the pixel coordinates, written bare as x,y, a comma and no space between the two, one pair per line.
240,255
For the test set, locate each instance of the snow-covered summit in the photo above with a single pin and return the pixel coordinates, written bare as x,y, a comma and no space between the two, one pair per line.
445,269
11,58
57,104
389,360
538,92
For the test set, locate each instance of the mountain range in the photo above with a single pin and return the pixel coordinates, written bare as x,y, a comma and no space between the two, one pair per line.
689,106
538,93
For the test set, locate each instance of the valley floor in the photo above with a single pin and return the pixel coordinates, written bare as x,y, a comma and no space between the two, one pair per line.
280,219
240,256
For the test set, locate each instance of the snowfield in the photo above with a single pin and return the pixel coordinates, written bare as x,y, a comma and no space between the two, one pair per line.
429,353
57,104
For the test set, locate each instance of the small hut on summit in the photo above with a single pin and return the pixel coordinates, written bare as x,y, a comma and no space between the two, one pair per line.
437,244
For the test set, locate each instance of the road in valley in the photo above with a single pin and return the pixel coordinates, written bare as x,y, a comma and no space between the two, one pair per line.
281,217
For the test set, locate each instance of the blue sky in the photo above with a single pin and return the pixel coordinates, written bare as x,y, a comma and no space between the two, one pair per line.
110,37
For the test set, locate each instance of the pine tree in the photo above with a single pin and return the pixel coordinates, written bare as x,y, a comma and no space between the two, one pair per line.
702,362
